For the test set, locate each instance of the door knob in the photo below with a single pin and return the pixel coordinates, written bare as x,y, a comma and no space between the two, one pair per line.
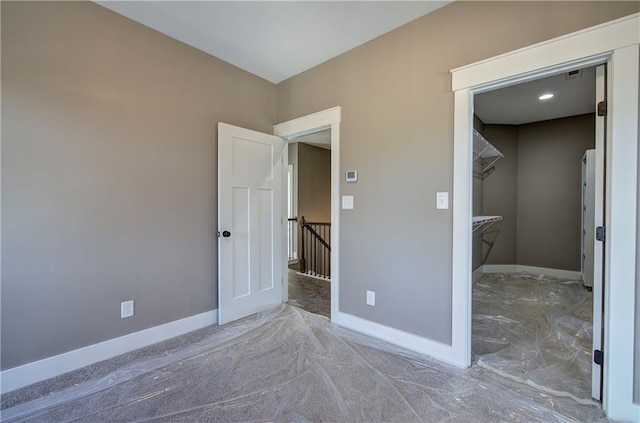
226,234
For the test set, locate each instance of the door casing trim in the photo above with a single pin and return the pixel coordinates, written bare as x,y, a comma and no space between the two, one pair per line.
617,44
290,130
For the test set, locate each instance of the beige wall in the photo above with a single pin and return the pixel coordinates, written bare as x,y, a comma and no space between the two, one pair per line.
478,184
536,188
501,193
109,164
549,195
314,183
397,131
636,350
109,170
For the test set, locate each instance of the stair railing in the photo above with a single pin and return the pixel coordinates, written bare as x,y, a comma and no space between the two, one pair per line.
315,248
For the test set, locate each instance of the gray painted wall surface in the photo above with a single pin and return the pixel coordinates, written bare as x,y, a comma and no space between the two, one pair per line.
536,188
397,131
109,170
109,164
477,199
549,195
314,183
636,355
500,194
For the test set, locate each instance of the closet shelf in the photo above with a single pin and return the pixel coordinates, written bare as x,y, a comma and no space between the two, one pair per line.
483,222
483,149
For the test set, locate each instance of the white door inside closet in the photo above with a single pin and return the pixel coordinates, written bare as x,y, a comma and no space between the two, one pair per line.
598,246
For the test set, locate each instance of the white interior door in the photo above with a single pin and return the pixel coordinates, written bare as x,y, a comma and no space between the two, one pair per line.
250,219
598,253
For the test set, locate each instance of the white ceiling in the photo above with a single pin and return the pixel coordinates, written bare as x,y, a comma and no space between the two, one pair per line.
320,139
274,39
519,104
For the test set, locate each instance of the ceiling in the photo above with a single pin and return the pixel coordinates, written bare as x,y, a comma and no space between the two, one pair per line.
274,39
519,104
320,139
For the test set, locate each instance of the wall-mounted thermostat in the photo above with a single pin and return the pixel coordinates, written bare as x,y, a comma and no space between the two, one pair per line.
352,176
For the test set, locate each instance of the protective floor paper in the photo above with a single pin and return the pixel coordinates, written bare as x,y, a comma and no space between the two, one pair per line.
291,365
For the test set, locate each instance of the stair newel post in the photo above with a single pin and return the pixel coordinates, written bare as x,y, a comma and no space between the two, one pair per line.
303,264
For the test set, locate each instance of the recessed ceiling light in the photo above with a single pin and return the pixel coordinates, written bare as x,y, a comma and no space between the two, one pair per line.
546,96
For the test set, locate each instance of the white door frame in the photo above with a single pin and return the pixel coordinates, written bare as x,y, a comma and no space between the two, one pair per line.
616,43
326,119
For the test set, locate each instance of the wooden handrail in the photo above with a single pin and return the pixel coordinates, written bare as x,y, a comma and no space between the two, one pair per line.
307,225
320,254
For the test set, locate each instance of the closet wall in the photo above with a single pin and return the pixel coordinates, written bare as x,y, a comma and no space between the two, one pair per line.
500,193
536,188
477,199
549,196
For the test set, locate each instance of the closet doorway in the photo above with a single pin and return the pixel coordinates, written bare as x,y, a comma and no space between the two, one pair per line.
537,281
309,223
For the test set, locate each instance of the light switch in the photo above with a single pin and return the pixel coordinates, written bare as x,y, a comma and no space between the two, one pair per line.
347,202
442,200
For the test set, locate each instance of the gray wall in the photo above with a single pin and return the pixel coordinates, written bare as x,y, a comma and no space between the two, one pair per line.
314,183
536,188
500,194
549,195
109,164
478,183
397,131
636,350
109,170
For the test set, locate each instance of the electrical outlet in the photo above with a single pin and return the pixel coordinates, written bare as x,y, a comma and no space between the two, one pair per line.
371,298
126,309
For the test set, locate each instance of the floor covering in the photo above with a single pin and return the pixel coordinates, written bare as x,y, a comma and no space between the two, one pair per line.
309,293
536,329
291,365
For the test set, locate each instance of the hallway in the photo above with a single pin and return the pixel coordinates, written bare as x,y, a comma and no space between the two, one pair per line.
308,293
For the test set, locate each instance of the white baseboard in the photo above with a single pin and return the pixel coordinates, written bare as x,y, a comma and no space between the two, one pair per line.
428,347
37,371
517,268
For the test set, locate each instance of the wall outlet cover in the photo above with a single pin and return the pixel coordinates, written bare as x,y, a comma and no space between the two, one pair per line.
442,200
126,309
347,202
371,298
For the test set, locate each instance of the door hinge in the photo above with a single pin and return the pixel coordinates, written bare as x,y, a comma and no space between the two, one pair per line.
598,357
601,233
602,108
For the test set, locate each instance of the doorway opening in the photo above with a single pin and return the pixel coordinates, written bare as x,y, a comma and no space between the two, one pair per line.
616,44
534,317
318,128
309,222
